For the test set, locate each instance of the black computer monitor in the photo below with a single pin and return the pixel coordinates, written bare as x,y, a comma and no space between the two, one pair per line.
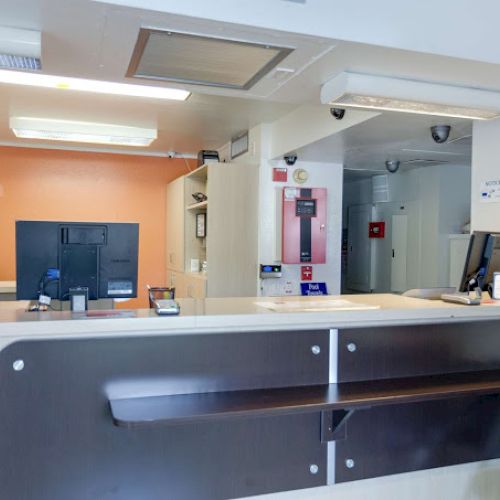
57,256
483,259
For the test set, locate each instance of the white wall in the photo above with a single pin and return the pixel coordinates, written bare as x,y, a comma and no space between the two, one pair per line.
326,175
454,212
485,167
320,175
356,192
309,124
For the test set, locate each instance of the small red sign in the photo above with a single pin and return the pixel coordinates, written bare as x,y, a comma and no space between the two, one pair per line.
280,174
306,273
376,229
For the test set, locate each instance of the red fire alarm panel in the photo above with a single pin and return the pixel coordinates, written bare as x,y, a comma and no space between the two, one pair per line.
376,229
280,174
304,226
306,273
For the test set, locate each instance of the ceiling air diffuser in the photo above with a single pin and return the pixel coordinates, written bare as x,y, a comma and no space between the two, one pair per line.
201,60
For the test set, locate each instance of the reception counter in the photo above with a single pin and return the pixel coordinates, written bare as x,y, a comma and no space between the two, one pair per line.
239,397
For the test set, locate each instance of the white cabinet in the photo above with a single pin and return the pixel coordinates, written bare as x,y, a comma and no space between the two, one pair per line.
187,285
196,285
230,244
177,280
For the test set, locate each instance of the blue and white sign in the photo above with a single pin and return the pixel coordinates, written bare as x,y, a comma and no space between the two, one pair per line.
490,191
313,289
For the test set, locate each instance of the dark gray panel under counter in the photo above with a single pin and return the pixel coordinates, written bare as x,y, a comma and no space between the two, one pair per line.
410,437
58,439
417,350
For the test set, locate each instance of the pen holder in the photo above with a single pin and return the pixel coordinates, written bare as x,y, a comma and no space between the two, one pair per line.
159,293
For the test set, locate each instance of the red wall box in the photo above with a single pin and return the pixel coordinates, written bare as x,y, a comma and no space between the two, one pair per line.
376,229
304,225
306,273
280,174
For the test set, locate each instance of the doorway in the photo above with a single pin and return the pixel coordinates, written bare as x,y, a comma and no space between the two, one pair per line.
399,238
359,249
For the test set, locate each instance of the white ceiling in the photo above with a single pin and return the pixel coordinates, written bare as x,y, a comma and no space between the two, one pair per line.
203,122
457,28
95,40
393,136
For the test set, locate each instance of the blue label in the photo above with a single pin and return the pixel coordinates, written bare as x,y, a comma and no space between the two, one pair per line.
313,289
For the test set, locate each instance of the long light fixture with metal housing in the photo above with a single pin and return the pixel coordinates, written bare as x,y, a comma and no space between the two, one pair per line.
86,132
353,90
95,86
20,48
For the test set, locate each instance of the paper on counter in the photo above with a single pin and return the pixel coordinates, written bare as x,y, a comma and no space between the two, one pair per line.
314,306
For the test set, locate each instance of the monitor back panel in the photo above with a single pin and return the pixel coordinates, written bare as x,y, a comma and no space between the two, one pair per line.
100,256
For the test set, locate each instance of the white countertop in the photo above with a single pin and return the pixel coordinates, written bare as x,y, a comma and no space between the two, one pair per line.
239,314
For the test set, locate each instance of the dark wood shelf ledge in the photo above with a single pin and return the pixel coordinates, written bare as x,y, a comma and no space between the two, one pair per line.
187,408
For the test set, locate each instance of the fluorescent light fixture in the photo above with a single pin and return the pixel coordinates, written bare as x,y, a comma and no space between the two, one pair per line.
20,49
86,132
96,86
353,90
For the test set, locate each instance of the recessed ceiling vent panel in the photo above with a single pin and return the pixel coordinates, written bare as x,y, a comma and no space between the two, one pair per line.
200,60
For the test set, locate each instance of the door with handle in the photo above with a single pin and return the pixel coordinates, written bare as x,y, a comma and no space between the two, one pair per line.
399,253
359,249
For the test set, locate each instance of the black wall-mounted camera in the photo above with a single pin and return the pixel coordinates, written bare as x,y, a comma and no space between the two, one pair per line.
337,113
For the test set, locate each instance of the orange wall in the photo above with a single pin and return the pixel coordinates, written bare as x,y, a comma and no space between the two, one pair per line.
42,184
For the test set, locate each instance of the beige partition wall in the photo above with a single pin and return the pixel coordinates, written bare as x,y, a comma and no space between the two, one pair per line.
220,230
232,230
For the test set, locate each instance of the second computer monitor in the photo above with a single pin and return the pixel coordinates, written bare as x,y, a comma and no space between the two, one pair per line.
483,259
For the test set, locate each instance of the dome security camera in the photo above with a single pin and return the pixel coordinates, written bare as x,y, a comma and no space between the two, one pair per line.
290,159
392,166
337,113
440,133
